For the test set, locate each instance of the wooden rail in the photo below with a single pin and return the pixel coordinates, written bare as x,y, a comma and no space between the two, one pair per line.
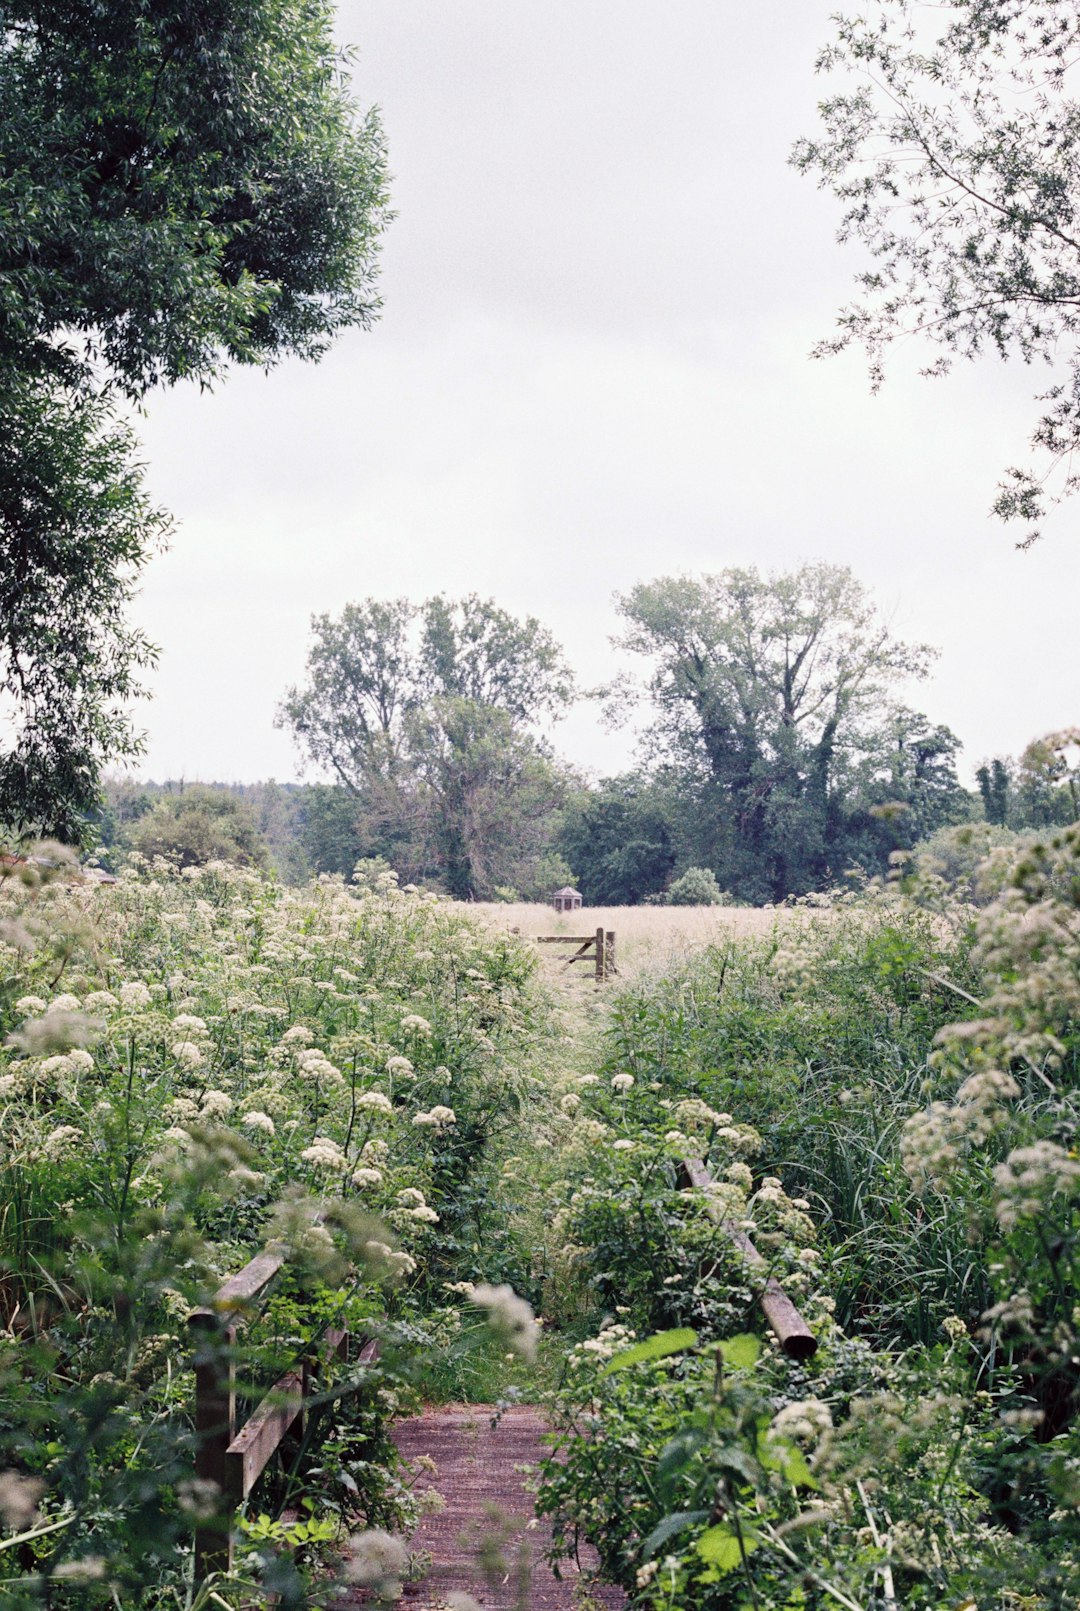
598,948
234,1458
792,1332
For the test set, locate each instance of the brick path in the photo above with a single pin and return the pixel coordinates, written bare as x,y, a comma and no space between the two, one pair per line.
486,1496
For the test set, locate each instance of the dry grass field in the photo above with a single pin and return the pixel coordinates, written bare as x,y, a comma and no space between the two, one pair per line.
647,937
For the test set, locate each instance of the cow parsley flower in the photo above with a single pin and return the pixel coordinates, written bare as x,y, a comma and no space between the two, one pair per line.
622,1083
437,1118
509,1316
255,1119
367,1177
325,1154
375,1102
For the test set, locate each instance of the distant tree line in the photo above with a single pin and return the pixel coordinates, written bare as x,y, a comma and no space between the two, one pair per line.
776,757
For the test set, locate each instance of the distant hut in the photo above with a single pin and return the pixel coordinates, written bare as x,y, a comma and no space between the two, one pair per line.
566,900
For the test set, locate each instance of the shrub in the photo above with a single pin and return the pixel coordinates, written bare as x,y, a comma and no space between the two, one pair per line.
696,887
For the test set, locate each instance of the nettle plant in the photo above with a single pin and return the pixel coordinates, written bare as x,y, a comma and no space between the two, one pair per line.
726,1476
195,1065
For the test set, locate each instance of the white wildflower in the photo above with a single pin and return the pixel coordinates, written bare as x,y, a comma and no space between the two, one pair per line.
374,1102
255,1119
325,1154
509,1316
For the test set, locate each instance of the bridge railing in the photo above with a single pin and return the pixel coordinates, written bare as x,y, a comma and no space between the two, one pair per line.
233,1457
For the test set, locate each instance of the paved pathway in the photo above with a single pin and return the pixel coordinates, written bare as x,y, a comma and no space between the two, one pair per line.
479,1476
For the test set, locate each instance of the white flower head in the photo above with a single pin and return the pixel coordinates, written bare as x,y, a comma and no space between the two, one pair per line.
325,1154
255,1119
509,1316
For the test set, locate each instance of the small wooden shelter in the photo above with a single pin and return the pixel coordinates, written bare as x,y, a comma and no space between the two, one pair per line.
566,900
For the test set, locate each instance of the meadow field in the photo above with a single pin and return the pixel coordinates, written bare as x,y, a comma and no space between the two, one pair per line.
647,937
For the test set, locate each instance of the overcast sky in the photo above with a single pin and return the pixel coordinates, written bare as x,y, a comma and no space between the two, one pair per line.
592,368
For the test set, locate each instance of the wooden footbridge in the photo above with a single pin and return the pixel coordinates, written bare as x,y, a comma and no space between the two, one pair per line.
486,1540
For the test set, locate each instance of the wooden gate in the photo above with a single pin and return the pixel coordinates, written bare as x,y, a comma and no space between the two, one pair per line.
598,948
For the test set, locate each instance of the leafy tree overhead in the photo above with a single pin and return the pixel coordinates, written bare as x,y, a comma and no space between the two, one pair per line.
768,693
426,716
185,185
955,154
76,529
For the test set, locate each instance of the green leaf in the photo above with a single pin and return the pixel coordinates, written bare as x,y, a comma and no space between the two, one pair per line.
777,1454
658,1347
741,1352
677,1454
669,1527
720,1547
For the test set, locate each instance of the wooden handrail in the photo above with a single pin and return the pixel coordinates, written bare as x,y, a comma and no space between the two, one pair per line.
792,1332
233,1459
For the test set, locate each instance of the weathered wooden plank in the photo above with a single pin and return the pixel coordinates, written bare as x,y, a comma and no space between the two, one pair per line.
249,1283
369,1353
565,939
215,1423
791,1330
252,1447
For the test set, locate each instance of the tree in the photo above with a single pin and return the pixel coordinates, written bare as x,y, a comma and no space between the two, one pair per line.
766,691
425,716
185,185
995,785
620,840
956,155
76,529
199,825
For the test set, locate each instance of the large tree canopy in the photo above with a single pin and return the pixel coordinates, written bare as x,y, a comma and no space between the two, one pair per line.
956,155
426,715
772,696
182,184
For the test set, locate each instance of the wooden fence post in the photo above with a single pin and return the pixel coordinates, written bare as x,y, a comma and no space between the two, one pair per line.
601,973
609,955
215,1424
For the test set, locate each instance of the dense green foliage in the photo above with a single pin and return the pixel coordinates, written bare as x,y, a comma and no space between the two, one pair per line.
907,1085
197,1062
775,718
185,185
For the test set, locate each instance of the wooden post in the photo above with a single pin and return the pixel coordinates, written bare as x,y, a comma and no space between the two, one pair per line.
792,1332
609,955
600,974
215,1424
